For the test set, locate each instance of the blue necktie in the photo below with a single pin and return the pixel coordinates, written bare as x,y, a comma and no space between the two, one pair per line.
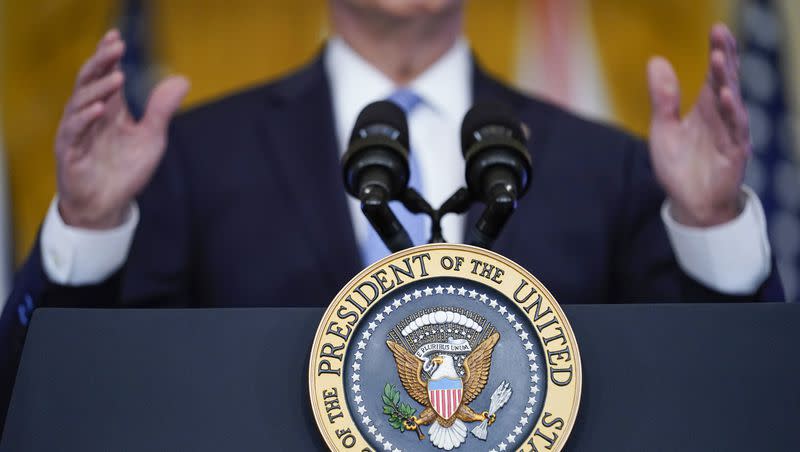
373,248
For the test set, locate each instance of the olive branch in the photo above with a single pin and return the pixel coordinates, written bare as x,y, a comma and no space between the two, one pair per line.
398,412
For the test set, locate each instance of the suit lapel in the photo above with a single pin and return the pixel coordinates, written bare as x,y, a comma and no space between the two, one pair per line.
535,117
302,145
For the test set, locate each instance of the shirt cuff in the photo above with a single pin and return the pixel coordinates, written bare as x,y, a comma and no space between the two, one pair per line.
732,258
75,256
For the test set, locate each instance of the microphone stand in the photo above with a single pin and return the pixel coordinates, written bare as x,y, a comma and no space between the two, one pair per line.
502,204
491,222
375,206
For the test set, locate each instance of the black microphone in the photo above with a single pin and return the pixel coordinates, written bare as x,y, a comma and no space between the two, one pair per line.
498,166
375,168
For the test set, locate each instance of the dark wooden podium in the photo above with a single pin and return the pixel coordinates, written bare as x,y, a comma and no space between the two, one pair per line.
677,377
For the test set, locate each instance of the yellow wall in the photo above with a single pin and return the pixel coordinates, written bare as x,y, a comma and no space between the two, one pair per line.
628,32
42,45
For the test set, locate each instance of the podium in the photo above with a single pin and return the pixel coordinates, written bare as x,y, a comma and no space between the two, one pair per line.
689,377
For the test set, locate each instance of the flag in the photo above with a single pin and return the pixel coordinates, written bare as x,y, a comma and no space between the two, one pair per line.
6,247
134,25
773,172
557,57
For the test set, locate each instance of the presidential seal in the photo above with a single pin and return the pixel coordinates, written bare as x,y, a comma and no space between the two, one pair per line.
444,347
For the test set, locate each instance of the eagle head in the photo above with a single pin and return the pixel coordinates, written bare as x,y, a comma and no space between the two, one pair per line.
445,368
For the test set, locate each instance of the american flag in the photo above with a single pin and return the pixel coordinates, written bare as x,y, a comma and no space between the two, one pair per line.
773,171
136,63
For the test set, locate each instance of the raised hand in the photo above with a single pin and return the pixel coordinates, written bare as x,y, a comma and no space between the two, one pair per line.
104,157
700,159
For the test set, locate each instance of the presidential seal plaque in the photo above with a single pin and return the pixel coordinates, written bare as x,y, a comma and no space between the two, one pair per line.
444,347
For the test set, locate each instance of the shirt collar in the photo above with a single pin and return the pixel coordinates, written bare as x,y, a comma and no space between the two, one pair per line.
445,87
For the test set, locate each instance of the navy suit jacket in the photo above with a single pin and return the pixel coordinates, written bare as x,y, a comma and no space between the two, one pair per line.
247,209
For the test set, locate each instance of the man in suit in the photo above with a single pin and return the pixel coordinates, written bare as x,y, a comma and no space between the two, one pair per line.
240,202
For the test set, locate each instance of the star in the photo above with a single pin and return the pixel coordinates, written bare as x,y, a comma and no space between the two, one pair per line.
372,429
532,400
535,366
397,450
355,377
523,421
528,345
536,379
533,378
501,446
511,318
428,291
502,310
358,399
356,388
406,298
366,334
361,345
421,336
439,290
531,356
451,290
493,303
359,355
417,294
361,410
518,327
379,317
493,450
462,291
483,298
387,310
372,325
396,303
535,389
356,366
379,437
473,294
528,411
524,335
518,429
387,446
510,438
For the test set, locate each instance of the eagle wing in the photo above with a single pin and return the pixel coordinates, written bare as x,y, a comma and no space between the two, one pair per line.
476,367
409,368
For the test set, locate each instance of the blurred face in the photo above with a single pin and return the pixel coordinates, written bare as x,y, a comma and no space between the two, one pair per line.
404,9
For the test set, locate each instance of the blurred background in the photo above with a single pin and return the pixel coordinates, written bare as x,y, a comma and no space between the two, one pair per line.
588,55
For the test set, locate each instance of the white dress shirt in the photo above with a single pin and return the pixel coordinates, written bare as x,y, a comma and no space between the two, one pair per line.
732,258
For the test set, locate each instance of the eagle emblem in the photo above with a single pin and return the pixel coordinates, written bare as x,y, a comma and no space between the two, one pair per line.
442,348
446,395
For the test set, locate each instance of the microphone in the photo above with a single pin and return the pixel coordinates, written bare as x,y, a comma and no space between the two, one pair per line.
498,166
375,168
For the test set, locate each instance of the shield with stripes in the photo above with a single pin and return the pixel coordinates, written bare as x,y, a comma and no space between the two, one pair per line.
445,396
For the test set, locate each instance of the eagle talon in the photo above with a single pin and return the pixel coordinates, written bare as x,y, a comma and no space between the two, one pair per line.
491,418
411,423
